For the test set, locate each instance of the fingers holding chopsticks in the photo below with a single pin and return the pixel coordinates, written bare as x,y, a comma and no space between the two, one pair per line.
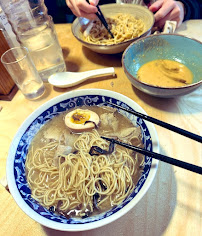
82,8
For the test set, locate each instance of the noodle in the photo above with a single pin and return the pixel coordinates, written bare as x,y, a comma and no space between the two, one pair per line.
73,184
123,26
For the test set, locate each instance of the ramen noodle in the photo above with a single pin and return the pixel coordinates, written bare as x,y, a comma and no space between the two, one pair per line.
123,26
65,178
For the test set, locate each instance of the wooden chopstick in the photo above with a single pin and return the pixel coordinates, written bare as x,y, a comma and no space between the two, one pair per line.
161,123
169,160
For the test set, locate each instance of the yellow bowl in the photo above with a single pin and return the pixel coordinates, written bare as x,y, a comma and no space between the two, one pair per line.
108,10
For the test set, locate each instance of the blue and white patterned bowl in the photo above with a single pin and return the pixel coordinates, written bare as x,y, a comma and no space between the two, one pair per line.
17,156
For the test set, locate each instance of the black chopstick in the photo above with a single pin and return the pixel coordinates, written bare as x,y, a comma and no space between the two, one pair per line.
169,160
102,19
161,123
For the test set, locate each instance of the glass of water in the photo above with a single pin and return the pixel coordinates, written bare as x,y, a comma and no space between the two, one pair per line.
44,48
21,68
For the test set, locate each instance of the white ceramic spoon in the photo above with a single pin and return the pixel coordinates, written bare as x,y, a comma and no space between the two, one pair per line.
69,79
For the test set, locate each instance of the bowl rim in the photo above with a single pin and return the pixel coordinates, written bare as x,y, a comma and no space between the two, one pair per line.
150,85
78,227
115,44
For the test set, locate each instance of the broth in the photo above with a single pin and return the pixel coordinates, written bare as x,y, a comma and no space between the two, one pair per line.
50,169
165,73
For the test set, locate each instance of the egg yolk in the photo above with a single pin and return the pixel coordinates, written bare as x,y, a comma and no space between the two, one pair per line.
80,118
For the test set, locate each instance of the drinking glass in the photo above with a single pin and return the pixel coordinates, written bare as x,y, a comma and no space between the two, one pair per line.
22,70
44,48
34,29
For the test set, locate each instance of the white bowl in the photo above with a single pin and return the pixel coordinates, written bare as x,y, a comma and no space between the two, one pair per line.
108,10
17,156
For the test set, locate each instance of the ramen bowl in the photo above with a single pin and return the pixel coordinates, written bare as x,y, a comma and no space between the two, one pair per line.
139,12
16,175
164,46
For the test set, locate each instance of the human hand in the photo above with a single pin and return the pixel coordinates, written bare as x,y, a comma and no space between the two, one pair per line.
82,8
167,10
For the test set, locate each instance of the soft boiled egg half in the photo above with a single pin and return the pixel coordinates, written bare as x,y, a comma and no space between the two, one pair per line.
81,120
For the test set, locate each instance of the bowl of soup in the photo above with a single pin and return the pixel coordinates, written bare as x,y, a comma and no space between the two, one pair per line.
164,65
65,176
127,23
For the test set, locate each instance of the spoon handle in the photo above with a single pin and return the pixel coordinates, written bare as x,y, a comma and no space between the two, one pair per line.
92,73
69,79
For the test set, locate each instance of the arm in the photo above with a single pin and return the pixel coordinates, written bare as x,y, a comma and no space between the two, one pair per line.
167,10
81,8
193,9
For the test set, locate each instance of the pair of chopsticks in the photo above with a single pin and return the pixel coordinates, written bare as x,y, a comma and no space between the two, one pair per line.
169,160
161,123
102,19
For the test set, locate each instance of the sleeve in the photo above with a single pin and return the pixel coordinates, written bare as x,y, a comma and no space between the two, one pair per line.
59,10
193,9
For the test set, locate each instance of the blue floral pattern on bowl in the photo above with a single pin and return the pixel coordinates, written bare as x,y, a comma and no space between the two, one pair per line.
22,149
